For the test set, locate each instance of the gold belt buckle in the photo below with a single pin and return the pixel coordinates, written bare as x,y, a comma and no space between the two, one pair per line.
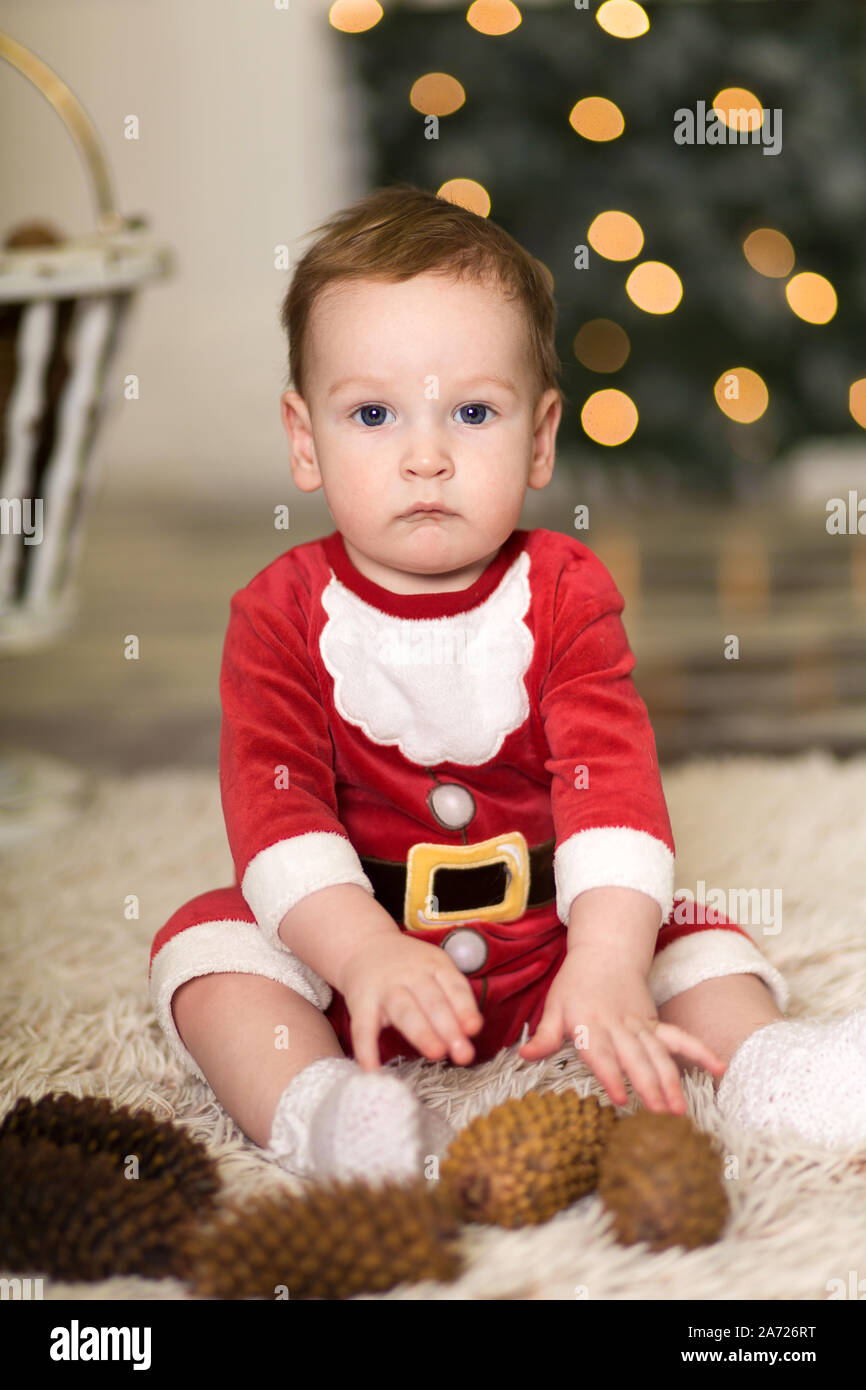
420,905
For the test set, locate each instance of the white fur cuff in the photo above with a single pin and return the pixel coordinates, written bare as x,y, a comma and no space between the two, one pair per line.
706,955
613,857
213,948
280,876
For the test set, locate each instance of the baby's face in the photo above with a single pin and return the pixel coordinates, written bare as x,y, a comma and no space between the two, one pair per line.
420,392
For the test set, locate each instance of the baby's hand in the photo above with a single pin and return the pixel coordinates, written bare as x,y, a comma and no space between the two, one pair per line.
610,1015
416,987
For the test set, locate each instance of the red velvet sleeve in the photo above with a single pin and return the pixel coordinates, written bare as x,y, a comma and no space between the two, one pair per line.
610,816
277,776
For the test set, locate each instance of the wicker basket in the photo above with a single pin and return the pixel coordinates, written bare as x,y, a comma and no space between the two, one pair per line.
62,309
63,306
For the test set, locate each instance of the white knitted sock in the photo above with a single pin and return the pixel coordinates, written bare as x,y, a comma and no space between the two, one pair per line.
335,1120
808,1076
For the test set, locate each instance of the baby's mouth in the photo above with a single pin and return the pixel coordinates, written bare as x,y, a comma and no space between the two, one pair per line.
435,512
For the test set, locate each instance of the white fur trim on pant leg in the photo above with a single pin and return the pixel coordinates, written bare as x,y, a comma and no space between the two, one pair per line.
280,876
213,948
707,955
613,856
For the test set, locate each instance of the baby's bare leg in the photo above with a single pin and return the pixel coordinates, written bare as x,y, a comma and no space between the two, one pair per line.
722,1012
236,1026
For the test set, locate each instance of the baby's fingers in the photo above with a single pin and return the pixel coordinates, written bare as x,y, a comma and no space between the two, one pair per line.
548,1035
366,1025
689,1046
406,1012
603,1061
444,1015
658,1081
650,1069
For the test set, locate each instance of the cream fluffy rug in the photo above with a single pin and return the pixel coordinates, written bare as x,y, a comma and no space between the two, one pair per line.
77,1017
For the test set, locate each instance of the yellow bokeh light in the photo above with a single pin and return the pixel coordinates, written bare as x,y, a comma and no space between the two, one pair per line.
857,401
437,94
466,193
596,118
623,19
769,252
609,417
654,287
616,236
494,16
741,394
354,16
602,346
738,108
812,297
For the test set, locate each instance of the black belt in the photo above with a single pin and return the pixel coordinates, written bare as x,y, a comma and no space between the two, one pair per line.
460,890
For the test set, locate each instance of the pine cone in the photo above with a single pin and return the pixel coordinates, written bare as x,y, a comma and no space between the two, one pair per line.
73,1215
35,233
662,1180
333,1241
163,1151
528,1158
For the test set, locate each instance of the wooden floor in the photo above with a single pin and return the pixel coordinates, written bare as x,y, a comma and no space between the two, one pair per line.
793,596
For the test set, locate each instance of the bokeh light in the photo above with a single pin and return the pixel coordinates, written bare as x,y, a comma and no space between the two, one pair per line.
738,108
596,118
616,236
602,345
812,297
741,394
623,19
654,287
609,417
769,252
437,94
494,16
354,16
857,401
467,194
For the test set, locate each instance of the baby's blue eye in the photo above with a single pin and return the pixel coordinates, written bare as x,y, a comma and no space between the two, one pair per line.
474,406
373,414
378,411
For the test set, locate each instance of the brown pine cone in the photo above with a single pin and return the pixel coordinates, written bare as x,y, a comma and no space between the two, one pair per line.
528,1158
333,1241
72,1215
163,1152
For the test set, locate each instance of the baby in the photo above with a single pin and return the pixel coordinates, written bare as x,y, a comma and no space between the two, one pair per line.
440,785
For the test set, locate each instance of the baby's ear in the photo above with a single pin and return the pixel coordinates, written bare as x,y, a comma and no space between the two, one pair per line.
292,405
302,450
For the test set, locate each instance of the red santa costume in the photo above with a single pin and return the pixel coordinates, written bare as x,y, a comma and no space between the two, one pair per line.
476,759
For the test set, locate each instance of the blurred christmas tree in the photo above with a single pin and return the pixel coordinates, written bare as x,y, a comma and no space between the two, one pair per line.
695,203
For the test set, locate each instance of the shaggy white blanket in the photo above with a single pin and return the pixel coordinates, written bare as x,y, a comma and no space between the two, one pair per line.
77,1017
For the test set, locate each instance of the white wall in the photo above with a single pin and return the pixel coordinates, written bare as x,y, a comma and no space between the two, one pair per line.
250,135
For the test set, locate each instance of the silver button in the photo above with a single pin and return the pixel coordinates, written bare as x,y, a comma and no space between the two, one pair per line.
467,949
452,805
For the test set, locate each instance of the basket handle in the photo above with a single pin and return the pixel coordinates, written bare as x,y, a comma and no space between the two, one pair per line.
77,122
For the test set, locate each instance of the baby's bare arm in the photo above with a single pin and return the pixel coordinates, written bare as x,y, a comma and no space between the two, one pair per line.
328,926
